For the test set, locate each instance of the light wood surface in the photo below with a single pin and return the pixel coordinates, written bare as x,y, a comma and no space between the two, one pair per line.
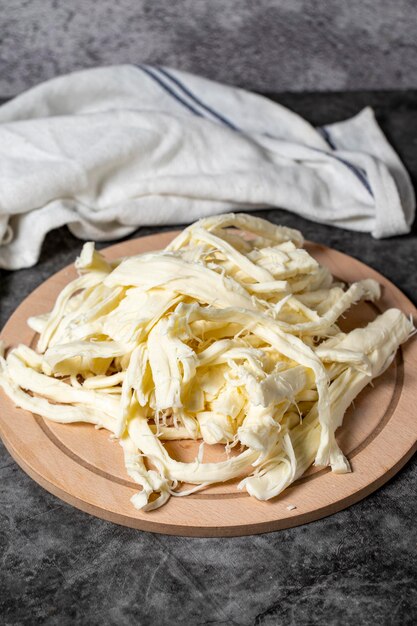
82,466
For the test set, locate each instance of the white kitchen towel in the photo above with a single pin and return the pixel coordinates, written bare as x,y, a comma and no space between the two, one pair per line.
109,149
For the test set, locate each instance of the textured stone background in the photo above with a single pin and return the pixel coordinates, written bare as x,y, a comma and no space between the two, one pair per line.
265,45
62,567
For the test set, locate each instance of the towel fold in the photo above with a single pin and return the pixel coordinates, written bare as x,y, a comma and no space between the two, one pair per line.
109,149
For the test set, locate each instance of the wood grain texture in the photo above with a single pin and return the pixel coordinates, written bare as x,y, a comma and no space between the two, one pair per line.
82,466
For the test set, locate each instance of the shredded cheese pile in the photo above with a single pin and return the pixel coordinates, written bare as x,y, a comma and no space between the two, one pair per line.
224,338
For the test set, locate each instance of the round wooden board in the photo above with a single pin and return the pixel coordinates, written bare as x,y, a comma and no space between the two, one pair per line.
82,466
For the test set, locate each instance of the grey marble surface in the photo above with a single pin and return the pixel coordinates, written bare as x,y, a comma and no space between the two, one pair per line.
278,45
61,566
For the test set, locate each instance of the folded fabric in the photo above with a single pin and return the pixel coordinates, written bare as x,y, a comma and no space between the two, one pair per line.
110,149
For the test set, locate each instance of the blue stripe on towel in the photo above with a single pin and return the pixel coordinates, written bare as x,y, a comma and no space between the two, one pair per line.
326,136
359,173
168,89
197,100
355,169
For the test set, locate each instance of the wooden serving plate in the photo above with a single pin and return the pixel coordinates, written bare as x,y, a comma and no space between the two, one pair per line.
82,466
